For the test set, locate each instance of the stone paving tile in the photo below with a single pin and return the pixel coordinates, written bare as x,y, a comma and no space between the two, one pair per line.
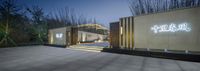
45,58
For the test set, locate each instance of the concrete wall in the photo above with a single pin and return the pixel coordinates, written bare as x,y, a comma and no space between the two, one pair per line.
71,36
145,37
55,37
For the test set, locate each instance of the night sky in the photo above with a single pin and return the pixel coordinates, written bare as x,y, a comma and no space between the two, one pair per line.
105,11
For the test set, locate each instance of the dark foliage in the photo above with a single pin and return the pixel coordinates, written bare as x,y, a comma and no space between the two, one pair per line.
19,25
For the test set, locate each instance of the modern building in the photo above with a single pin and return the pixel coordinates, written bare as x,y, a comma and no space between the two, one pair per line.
176,30
94,28
63,36
88,37
87,33
92,33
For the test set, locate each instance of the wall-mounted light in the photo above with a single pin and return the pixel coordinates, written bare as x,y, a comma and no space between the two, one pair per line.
51,40
121,30
83,37
59,35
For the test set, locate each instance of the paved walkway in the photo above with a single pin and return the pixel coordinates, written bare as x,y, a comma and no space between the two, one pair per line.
44,58
94,47
100,44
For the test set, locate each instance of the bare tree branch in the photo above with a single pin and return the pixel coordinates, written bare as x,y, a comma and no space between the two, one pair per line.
138,7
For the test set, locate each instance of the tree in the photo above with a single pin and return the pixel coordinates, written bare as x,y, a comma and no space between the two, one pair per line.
39,24
8,11
139,7
67,17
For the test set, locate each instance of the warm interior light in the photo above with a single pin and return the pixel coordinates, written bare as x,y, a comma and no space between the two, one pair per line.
51,39
121,30
83,37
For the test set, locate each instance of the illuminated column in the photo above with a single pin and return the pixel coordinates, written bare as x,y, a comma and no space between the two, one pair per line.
133,42
121,34
125,39
127,33
83,37
131,32
51,38
124,33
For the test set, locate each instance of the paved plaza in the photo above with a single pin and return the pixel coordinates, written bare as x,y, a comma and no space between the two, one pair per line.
46,58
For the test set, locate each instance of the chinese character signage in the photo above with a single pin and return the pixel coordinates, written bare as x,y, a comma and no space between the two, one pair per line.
184,27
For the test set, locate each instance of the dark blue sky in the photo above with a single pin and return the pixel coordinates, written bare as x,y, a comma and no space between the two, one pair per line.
104,11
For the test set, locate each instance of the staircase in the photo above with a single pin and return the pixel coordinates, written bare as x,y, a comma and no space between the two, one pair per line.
86,48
